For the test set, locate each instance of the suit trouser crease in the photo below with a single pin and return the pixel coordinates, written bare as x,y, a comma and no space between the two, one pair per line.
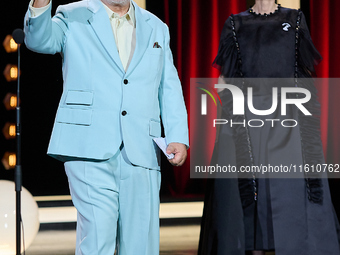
115,200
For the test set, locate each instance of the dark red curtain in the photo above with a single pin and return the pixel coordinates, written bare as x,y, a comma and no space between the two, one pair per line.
324,26
195,28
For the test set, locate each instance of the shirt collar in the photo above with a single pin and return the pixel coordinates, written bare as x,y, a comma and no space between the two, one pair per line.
129,15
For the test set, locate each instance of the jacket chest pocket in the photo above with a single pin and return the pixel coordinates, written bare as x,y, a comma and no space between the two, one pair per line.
153,60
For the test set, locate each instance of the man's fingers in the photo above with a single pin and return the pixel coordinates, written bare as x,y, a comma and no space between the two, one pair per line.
170,149
179,158
180,152
177,161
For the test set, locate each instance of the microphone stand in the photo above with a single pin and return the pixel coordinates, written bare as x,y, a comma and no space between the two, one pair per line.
18,36
18,171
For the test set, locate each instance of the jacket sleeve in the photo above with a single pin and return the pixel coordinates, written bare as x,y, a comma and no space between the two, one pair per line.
173,111
44,34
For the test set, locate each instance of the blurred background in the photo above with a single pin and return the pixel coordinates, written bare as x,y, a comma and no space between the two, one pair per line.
195,27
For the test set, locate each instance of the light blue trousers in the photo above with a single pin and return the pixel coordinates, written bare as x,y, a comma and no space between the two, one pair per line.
117,205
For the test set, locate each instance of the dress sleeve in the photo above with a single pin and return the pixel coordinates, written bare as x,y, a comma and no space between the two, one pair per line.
308,54
226,59
310,125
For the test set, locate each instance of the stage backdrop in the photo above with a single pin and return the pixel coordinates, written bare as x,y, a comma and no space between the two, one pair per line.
195,27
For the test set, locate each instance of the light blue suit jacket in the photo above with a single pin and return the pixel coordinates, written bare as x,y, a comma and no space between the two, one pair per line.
89,123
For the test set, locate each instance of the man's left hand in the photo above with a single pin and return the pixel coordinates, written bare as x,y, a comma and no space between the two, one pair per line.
180,152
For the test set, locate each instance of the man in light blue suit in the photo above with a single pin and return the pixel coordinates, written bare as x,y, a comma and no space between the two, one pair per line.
119,81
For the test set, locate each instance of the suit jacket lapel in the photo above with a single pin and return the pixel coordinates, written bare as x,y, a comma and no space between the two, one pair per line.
143,33
102,27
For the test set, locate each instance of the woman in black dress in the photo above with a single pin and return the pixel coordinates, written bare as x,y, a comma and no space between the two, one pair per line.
293,216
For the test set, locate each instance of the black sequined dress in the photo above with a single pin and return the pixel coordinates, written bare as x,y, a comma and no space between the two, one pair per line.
291,216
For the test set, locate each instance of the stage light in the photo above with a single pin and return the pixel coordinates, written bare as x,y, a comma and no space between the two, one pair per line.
9,131
9,160
11,72
9,44
29,215
10,101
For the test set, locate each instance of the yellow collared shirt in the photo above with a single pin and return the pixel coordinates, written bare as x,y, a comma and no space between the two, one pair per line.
124,30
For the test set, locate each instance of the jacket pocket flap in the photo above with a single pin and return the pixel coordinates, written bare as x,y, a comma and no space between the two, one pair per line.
79,97
74,116
155,128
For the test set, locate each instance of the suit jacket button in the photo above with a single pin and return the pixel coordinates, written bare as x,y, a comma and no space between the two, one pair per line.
124,113
126,81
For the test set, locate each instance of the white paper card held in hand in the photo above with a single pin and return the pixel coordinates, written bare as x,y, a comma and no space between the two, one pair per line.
161,142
